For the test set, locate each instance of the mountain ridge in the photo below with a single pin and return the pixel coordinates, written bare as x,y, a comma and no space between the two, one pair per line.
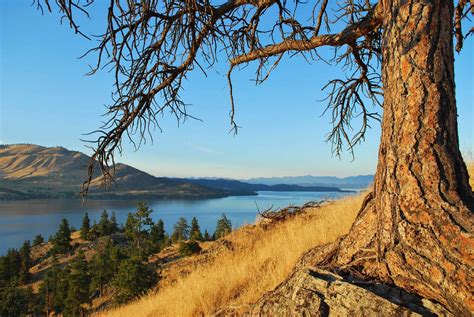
32,171
358,181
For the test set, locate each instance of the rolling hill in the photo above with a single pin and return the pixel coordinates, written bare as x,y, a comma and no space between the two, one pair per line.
33,171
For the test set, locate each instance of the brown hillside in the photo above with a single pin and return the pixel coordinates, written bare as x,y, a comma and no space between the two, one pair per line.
32,171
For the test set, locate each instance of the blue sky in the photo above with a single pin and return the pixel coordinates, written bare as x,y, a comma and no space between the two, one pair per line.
46,99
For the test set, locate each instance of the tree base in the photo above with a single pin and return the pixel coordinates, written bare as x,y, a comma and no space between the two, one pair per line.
412,259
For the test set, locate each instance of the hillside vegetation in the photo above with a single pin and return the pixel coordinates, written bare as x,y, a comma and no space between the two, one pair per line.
245,264
250,262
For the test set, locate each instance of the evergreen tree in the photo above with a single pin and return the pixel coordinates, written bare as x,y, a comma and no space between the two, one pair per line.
158,236
195,232
93,232
86,227
132,279
78,286
25,255
55,287
62,239
206,237
180,230
138,226
10,265
38,240
104,265
103,226
224,227
14,300
113,225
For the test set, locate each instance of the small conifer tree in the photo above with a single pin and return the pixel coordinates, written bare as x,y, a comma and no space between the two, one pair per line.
38,240
180,230
86,227
113,225
104,224
62,239
224,227
25,255
195,232
207,237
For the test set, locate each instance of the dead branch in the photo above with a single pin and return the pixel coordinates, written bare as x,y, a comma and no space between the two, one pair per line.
277,215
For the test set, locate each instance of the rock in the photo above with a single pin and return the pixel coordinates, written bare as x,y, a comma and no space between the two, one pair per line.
317,292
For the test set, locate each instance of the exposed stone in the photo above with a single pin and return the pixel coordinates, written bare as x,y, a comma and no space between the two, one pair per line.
316,292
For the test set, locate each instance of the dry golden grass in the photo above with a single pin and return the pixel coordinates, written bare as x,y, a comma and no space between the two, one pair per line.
259,260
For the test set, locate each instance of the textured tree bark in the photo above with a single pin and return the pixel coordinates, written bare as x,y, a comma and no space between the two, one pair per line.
415,230
420,216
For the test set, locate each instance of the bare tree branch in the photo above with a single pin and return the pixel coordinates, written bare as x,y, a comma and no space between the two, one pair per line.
151,45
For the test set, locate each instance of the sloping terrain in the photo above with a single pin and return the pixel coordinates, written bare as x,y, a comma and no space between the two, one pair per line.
233,273
33,171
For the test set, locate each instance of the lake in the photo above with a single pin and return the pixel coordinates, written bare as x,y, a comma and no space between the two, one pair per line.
22,220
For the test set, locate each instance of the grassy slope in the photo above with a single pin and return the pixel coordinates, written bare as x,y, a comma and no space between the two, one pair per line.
253,262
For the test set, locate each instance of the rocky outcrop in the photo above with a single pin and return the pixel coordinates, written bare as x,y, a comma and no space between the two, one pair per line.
316,292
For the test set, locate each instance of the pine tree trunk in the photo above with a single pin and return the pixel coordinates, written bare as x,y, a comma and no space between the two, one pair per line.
415,230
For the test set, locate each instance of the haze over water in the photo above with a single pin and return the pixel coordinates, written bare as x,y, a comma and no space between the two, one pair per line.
22,220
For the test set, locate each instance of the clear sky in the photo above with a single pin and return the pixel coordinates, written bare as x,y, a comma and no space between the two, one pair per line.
46,99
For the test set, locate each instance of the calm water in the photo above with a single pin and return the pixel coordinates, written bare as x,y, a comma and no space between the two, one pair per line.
22,220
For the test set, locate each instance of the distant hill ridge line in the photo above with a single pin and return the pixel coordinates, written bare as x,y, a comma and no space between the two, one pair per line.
33,171
360,181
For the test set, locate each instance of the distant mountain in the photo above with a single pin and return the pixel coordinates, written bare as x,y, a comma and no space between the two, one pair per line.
242,188
362,181
33,171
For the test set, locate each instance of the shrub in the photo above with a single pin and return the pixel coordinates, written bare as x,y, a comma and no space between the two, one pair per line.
189,248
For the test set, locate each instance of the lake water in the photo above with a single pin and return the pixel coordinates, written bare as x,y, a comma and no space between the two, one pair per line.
22,220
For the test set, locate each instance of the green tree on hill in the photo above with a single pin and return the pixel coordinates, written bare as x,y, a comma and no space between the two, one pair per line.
103,226
138,227
113,225
14,300
38,240
224,227
104,265
206,236
158,236
133,279
10,265
62,239
86,227
78,281
25,255
55,287
180,230
195,232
